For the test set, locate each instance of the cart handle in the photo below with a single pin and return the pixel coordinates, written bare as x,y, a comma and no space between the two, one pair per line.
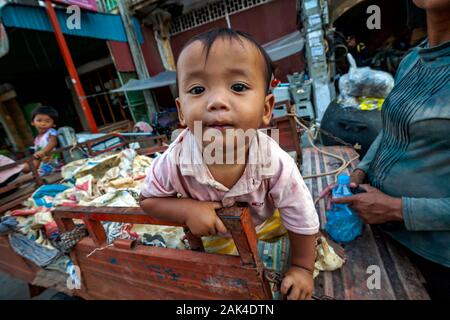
237,220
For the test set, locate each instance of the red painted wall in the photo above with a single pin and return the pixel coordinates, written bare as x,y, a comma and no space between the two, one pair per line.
151,52
121,54
265,23
124,61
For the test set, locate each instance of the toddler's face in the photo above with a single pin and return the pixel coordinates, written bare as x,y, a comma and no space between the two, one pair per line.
43,122
225,91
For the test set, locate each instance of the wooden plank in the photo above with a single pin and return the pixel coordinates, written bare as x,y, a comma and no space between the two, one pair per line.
117,214
174,273
237,220
411,279
16,202
320,184
398,277
223,265
13,264
96,232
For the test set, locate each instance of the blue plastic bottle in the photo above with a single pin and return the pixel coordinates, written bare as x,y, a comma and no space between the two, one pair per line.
343,225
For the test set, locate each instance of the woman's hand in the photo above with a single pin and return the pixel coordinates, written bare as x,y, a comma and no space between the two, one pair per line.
374,206
202,219
356,178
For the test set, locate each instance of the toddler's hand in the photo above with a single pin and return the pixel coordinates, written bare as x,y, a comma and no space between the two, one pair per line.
202,219
300,282
39,155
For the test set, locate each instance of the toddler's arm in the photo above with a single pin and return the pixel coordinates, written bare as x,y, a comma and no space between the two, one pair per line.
199,216
298,281
52,143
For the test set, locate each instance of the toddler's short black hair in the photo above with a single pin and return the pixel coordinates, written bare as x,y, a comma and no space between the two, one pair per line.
209,37
49,111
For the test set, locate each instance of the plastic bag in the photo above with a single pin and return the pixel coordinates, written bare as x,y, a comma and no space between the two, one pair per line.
363,82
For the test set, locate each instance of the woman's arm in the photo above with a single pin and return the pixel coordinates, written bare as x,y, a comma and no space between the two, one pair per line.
418,214
365,162
426,214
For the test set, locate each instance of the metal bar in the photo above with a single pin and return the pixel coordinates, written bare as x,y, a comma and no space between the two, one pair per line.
106,96
70,66
96,101
122,111
137,55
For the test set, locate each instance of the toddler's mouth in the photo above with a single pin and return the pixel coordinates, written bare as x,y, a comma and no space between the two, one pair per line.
220,126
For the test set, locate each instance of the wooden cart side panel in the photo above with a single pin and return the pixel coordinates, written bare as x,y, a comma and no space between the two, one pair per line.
13,264
171,273
163,273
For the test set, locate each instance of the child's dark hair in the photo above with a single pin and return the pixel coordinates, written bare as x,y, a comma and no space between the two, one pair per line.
209,37
49,111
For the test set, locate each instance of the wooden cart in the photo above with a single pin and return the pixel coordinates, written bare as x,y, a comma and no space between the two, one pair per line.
126,270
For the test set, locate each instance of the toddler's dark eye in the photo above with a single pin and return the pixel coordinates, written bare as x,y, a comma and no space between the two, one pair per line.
197,90
239,87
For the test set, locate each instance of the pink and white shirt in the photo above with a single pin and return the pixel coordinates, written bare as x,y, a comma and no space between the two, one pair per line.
42,140
270,180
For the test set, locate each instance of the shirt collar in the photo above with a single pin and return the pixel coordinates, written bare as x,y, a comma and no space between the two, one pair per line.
260,165
439,54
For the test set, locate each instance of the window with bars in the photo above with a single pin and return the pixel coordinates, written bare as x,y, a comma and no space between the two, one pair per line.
108,5
211,12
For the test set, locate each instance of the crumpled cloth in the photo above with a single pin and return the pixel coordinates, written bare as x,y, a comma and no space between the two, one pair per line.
155,240
8,224
69,239
45,194
142,126
119,230
29,249
326,258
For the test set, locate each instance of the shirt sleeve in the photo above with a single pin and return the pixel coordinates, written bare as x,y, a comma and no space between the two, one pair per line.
294,201
426,214
157,183
365,162
52,132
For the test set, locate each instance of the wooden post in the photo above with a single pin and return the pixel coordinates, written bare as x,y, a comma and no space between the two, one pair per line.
136,53
238,222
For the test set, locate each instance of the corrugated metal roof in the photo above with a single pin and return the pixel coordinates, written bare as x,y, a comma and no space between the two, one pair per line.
165,78
93,24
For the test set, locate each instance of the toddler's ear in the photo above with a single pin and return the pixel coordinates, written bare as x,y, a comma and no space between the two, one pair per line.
268,108
180,113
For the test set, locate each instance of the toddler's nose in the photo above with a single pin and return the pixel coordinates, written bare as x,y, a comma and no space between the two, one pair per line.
217,103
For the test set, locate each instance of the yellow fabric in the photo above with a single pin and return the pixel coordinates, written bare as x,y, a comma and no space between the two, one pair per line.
269,230
369,103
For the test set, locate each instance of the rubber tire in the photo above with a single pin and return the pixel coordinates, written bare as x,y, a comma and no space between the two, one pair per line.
351,125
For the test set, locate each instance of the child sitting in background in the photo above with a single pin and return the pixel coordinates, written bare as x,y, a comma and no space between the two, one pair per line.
224,79
44,119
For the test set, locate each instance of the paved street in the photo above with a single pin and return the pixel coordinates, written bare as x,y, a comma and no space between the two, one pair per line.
14,289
